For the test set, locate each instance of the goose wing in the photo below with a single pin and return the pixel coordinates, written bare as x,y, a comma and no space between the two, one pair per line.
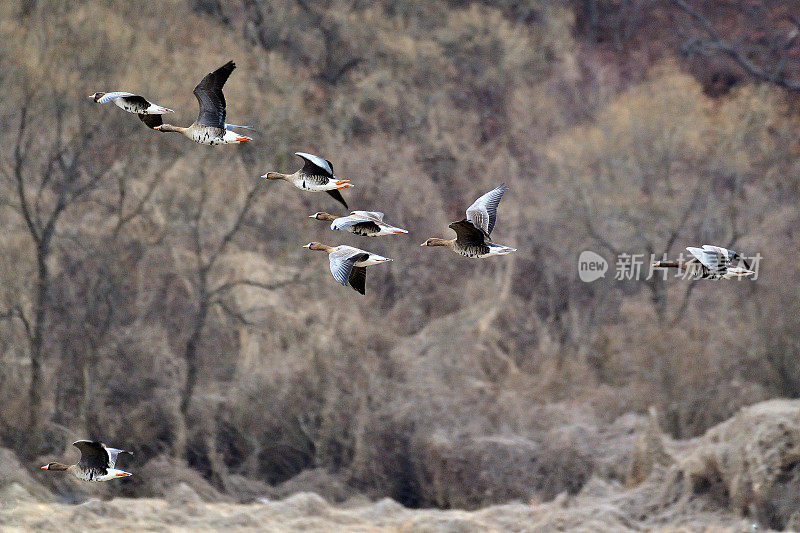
377,216
118,94
93,454
467,234
151,121
113,453
338,197
315,165
209,96
231,127
320,170
483,212
343,223
715,262
137,101
729,255
358,279
342,261
722,253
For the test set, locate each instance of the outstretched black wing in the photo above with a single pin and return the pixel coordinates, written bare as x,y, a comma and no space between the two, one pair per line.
338,197
315,165
151,121
358,279
138,102
467,234
93,454
209,96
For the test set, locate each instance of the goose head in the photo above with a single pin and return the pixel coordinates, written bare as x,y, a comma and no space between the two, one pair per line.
273,176
322,215
55,466
433,241
313,245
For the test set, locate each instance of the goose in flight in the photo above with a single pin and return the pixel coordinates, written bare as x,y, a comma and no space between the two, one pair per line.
472,233
148,112
316,175
210,127
98,462
348,264
712,262
365,223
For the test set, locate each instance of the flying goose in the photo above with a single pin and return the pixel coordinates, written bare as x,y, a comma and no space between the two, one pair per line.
210,126
316,175
148,112
472,233
97,462
365,223
714,262
348,264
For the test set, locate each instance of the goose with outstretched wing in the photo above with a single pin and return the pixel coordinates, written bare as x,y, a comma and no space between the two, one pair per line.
348,264
711,262
147,111
364,223
210,127
315,176
472,233
98,462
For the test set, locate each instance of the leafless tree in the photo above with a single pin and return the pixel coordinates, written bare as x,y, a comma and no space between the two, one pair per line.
208,293
46,183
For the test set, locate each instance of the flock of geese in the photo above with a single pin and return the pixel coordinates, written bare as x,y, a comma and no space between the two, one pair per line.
347,263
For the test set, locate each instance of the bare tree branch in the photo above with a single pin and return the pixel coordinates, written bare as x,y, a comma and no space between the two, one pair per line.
729,49
138,208
237,224
684,218
684,303
20,156
252,283
233,313
17,312
195,226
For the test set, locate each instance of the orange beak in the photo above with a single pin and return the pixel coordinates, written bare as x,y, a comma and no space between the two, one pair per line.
341,182
91,97
311,216
264,176
424,244
45,467
124,474
243,139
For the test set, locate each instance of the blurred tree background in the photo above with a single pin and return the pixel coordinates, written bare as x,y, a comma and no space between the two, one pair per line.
154,294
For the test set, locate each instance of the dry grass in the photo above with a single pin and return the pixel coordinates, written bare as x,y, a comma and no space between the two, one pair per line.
739,475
